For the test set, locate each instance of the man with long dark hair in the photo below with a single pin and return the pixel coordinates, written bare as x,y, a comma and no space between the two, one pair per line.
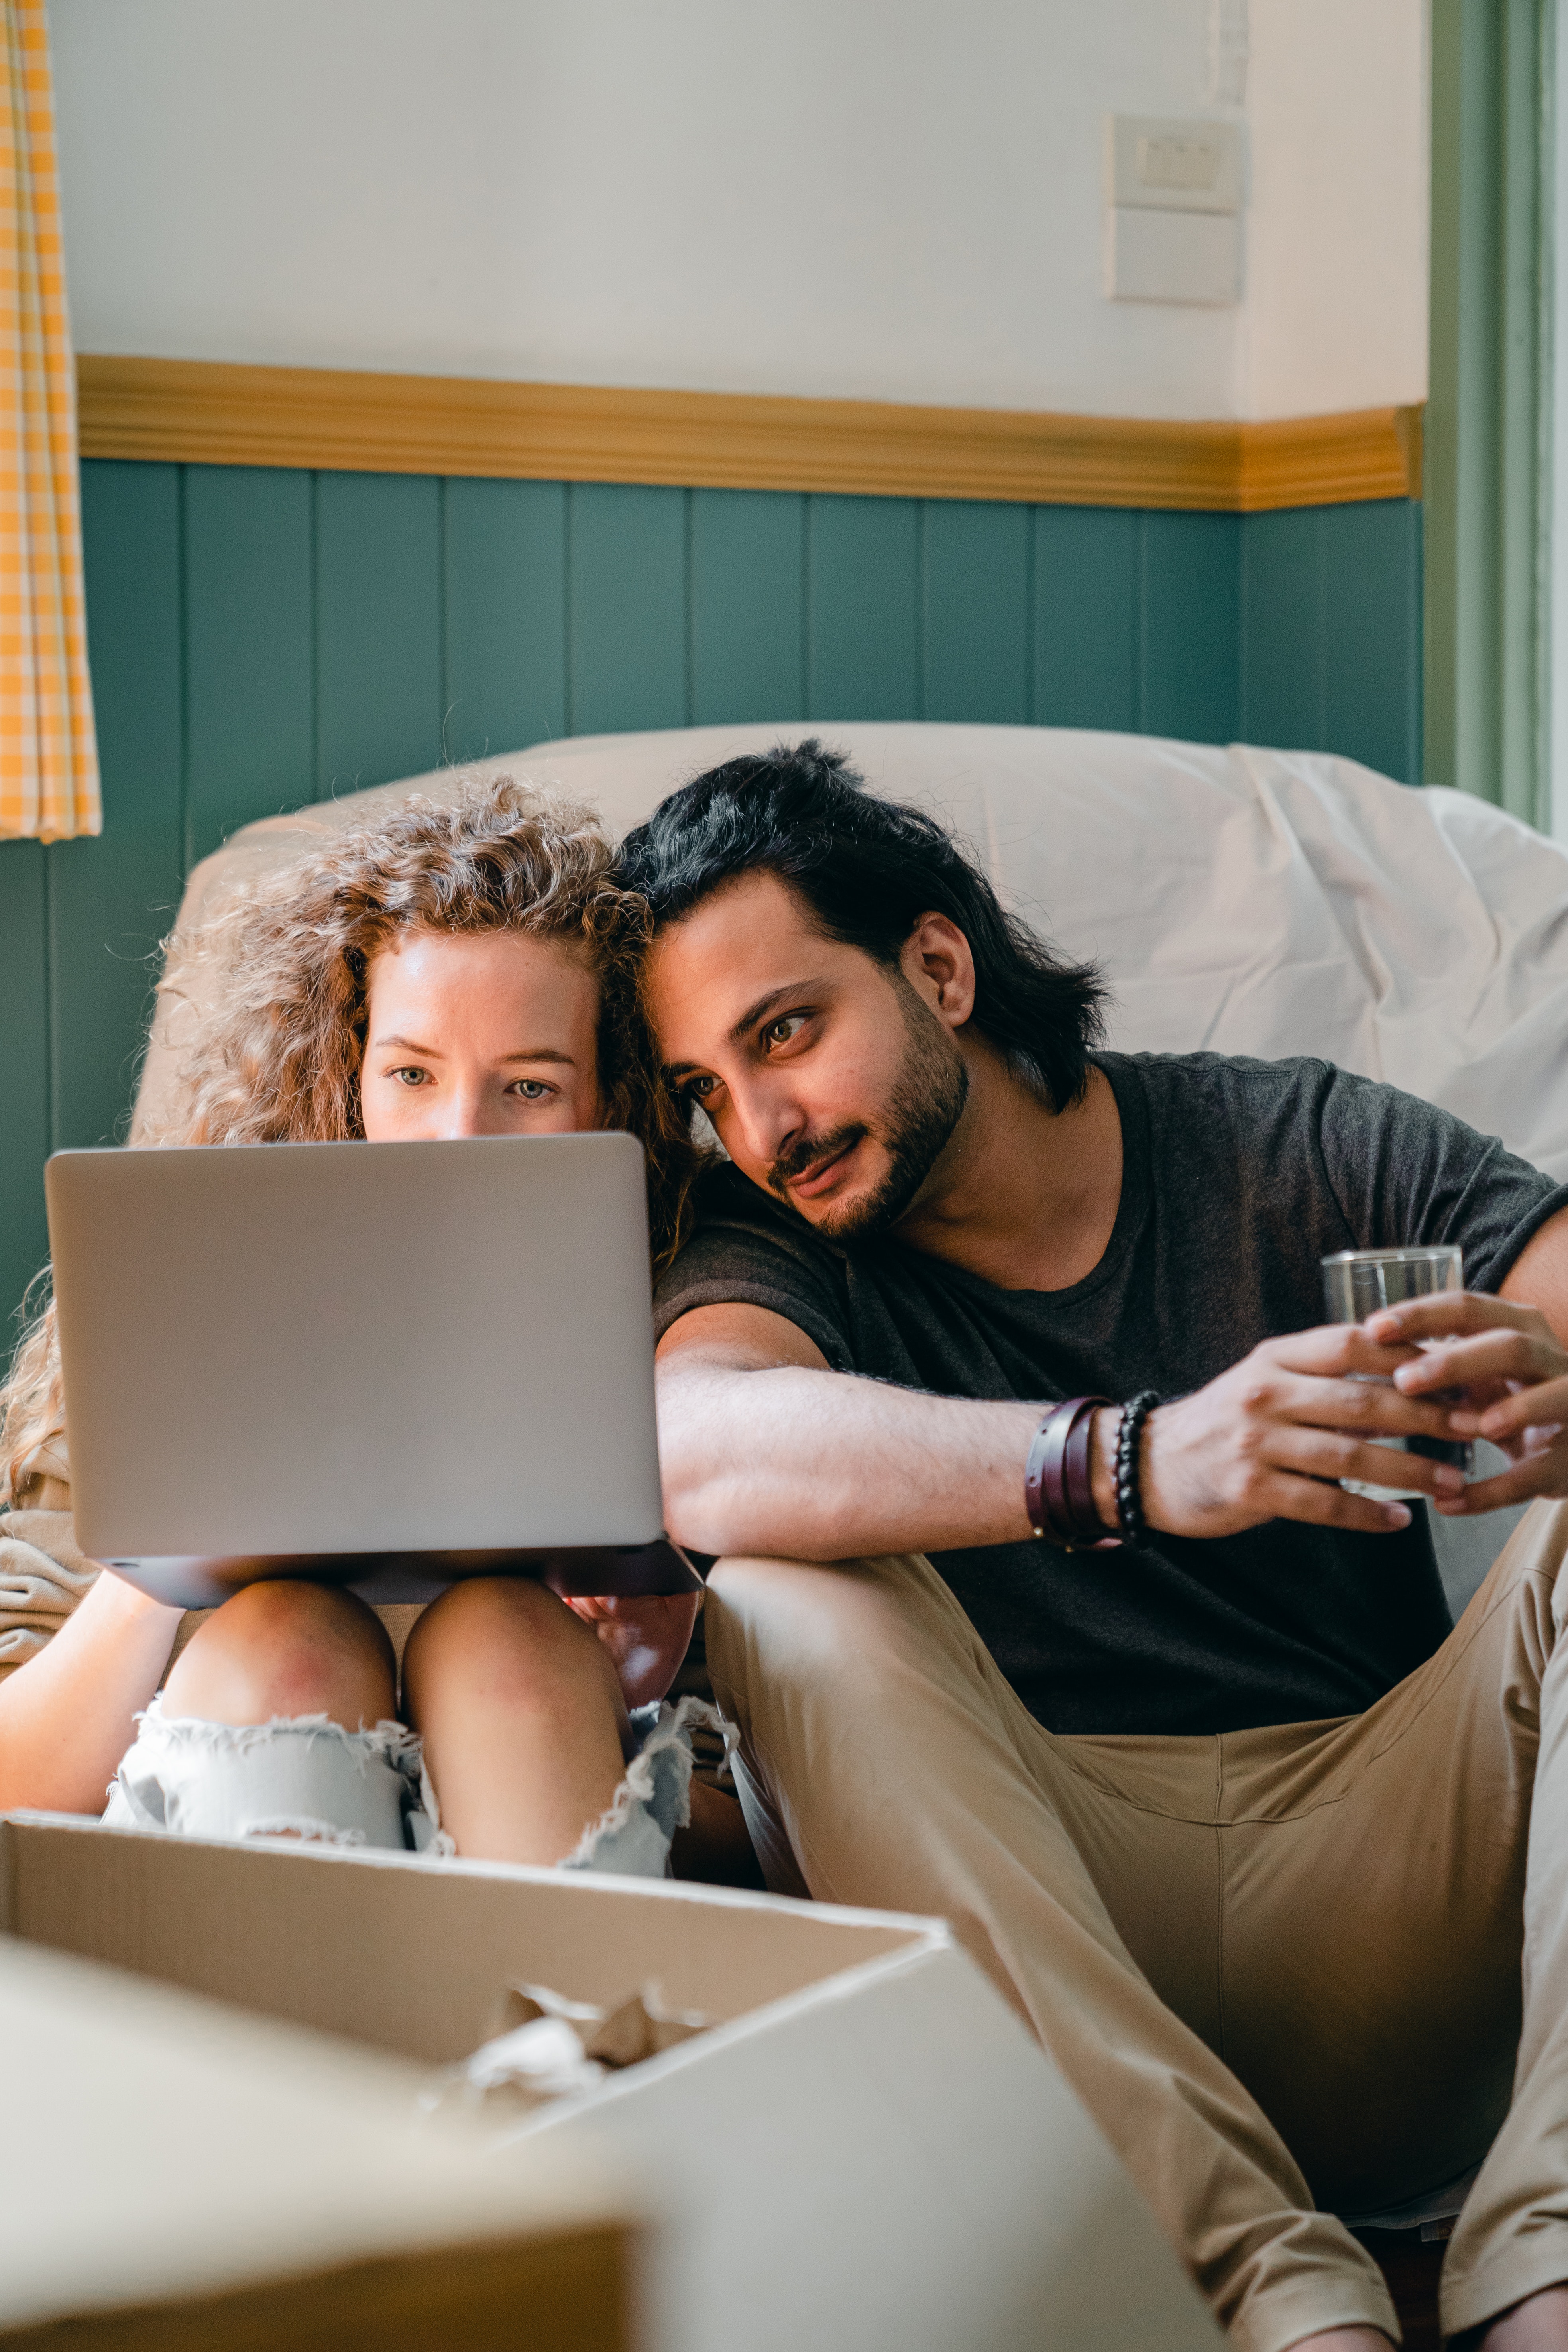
996,1370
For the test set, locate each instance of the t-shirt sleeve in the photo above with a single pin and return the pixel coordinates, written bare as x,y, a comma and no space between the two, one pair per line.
1405,1172
736,1258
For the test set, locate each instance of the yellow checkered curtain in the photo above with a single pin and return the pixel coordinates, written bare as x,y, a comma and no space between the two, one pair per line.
49,755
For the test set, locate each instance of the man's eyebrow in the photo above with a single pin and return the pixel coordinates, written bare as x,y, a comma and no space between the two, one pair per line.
765,1005
675,1071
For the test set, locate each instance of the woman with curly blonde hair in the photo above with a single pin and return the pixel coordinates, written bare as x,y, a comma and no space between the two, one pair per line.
439,972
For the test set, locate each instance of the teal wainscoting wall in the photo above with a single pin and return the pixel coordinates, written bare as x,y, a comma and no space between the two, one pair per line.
261,638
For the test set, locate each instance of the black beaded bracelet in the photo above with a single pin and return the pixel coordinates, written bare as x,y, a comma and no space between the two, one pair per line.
1128,1500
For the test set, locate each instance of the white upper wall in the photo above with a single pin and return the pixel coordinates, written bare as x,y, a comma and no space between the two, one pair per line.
885,199
1335,315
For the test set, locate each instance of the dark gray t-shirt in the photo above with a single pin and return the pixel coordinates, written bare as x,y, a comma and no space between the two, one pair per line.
1238,1176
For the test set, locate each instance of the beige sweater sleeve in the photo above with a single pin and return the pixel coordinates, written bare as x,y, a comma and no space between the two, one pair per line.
42,1573
42,1576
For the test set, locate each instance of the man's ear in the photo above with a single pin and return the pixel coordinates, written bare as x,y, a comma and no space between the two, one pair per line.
937,962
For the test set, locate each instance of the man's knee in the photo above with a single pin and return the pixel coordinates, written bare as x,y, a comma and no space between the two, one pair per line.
286,1649
783,1603
837,1627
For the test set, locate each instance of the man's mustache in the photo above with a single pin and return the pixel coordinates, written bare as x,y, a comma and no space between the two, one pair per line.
810,1151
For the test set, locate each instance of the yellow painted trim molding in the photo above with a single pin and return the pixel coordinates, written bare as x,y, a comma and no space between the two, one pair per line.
204,413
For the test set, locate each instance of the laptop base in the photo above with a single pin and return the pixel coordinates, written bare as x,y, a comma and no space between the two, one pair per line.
390,1577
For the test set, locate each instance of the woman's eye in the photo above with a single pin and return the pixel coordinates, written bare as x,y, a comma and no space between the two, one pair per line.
410,1076
780,1032
532,1090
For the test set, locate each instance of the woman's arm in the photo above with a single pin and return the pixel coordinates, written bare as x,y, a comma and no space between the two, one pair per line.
65,1714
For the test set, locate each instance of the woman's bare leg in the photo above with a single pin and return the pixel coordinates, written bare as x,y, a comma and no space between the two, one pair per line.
522,1716
287,1649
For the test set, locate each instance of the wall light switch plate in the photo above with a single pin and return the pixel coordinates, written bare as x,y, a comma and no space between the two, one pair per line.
1173,257
1163,163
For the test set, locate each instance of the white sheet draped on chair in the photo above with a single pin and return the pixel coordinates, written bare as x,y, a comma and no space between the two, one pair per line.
1251,901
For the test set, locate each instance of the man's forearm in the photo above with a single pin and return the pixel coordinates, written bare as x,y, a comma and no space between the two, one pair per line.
822,1465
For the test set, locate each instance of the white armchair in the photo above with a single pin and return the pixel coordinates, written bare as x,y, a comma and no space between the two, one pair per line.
1249,901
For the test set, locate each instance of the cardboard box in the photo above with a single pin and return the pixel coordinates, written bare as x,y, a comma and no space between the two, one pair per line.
183,2178
868,2150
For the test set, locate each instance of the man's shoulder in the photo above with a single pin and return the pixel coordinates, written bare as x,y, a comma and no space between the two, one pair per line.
735,1222
1216,1126
1250,1095
1236,1091
1239,1073
747,1249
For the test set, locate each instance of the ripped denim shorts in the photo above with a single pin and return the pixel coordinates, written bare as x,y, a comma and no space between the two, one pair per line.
305,1777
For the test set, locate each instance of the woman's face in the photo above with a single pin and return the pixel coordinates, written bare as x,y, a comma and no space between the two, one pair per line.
483,1033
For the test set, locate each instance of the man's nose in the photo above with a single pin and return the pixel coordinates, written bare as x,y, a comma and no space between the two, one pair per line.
767,1118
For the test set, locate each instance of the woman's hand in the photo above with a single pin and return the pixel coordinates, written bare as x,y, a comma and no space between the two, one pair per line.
645,1634
1510,1374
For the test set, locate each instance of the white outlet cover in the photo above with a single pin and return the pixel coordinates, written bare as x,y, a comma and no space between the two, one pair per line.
1173,257
1171,164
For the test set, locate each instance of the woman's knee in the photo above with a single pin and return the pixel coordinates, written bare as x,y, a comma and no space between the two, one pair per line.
286,1649
507,1640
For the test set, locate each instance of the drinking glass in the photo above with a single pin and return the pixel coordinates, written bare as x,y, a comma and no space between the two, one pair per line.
1359,1282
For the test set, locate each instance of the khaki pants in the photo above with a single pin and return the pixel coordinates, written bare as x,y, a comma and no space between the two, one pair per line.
1283,1968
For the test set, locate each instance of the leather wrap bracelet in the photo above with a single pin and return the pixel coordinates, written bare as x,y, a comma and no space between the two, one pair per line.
1059,1494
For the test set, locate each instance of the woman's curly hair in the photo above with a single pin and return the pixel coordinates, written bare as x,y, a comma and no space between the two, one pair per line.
273,992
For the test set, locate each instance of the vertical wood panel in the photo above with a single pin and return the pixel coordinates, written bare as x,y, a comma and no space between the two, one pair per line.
495,598
378,628
863,575
248,649
1372,635
626,644
110,901
748,606
1284,687
1087,616
23,1076
1191,627
976,610
506,615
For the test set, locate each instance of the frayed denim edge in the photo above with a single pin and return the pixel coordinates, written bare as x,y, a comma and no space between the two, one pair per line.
386,1741
391,1742
305,1828
637,1788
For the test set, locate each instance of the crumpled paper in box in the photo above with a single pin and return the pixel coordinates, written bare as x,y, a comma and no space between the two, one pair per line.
552,2048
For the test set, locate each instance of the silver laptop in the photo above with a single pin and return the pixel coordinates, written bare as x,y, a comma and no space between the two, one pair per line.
385,1365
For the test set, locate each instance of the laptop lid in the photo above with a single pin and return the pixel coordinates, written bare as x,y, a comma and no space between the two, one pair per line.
385,1364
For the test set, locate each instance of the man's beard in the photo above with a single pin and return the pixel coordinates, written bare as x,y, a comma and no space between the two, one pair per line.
925,1107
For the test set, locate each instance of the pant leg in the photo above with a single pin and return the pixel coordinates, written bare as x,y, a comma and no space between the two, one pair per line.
1372,1901
1512,2236
1382,1878
884,1752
